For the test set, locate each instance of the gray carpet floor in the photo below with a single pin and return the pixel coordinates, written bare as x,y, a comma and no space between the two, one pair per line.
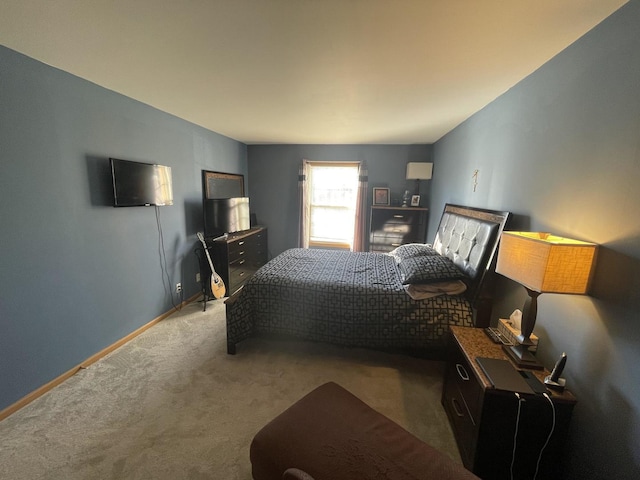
172,404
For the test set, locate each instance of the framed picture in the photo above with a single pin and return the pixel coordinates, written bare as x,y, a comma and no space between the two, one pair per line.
415,200
381,196
222,185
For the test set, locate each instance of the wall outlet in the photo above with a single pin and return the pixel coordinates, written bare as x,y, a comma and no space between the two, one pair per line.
198,277
178,287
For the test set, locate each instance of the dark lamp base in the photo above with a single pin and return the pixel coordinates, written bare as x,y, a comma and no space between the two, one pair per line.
522,357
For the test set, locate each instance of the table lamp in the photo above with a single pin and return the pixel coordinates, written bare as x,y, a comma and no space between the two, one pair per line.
542,263
419,171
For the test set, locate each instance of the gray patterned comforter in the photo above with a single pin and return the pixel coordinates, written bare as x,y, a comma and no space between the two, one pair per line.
346,298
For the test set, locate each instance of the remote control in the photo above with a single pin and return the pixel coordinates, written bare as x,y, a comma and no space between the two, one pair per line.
492,334
496,336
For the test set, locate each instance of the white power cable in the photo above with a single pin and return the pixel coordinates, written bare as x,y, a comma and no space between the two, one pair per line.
553,426
515,435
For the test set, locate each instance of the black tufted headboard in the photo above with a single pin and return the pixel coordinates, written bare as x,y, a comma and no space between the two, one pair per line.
469,236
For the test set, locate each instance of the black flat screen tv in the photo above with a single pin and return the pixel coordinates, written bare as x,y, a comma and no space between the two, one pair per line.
137,184
226,215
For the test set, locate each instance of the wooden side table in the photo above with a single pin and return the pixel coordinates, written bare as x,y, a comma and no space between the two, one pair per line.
485,420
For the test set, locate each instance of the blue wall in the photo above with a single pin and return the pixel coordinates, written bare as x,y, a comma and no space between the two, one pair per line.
76,273
274,198
562,151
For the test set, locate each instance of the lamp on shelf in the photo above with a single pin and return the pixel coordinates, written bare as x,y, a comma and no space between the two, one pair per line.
417,171
542,263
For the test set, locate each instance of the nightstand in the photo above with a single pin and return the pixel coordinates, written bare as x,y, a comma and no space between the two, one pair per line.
484,419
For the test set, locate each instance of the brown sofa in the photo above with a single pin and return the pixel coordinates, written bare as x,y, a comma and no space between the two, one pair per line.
332,435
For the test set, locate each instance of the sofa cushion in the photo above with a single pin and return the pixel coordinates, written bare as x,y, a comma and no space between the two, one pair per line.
332,435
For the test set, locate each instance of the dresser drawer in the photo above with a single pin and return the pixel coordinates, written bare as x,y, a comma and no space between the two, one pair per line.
259,253
463,426
259,238
239,275
400,228
238,250
401,218
387,238
466,383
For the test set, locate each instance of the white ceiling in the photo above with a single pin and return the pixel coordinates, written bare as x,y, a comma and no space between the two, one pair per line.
304,71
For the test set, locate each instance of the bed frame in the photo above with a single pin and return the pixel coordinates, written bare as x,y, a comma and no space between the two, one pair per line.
469,237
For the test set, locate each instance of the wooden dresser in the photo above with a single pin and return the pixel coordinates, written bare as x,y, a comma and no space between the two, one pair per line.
237,257
394,226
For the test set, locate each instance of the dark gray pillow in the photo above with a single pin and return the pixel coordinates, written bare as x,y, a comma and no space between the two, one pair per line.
410,250
428,269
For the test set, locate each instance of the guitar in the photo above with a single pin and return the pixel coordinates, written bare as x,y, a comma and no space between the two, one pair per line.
217,285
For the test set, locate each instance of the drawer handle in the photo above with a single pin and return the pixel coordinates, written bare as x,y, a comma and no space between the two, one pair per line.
241,252
241,274
396,244
462,372
241,261
241,243
456,407
398,216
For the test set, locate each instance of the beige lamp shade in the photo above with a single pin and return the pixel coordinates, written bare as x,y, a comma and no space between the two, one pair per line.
419,170
546,263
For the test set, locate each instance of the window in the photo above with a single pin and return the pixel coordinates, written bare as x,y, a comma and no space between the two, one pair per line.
332,197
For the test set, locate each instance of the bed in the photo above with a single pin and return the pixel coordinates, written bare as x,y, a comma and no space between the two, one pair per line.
402,300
